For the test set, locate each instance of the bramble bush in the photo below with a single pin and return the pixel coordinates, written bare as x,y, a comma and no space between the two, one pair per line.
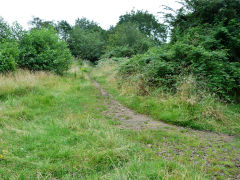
42,50
162,66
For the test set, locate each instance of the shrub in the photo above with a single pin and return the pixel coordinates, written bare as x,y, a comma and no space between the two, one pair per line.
9,53
222,76
41,50
161,66
151,65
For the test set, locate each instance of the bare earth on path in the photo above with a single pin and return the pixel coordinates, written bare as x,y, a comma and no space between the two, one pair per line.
210,150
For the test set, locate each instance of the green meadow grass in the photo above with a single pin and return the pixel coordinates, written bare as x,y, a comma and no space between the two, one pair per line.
51,127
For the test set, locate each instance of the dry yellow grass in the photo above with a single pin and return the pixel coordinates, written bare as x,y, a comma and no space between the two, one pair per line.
21,78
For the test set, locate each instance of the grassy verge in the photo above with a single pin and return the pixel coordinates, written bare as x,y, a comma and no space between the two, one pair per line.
52,127
185,108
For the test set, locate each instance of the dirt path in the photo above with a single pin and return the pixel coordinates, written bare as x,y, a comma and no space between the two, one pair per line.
132,120
209,149
127,117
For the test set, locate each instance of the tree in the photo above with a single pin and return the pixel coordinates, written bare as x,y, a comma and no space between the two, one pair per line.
88,25
63,28
126,37
205,43
147,24
17,31
87,40
38,23
88,45
5,31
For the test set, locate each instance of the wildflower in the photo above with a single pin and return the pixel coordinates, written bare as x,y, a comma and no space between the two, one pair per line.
82,69
4,151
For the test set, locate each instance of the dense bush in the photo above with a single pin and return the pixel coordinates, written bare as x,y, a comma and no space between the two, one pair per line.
42,50
160,66
214,24
153,67
205,42
9,54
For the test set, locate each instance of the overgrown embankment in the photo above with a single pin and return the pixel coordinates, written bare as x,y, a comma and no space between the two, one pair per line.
189,105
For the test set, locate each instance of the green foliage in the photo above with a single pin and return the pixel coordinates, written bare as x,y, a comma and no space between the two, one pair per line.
88,25
17,31
127,40
9,53
160,66
86,45
5,31
87,40
151,67
41,50
38,23
9,50
147,24
119,51
190,105
205,42
222,76
206,33
63,28
217,21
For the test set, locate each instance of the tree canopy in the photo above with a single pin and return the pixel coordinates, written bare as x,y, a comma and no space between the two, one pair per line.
147,24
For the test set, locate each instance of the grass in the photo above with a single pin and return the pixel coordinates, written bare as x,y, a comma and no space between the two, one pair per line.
51,127
188,107
211,154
